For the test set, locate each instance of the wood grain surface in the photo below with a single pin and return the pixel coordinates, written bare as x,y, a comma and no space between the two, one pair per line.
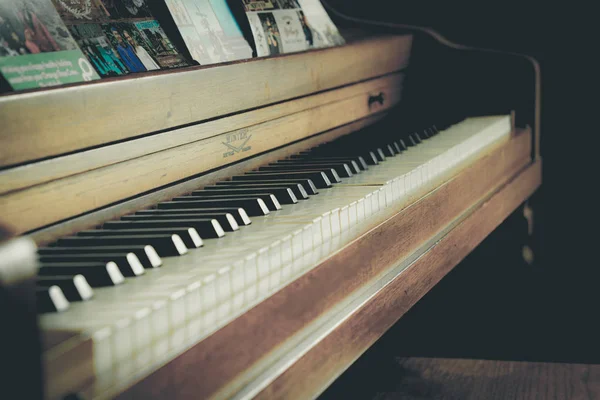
36,173
225,358
47,123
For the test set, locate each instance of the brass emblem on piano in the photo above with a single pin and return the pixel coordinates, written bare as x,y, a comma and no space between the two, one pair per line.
237,142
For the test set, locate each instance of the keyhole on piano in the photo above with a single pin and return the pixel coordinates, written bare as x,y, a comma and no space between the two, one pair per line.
376,98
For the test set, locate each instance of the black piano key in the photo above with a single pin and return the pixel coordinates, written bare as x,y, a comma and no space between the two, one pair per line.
368,156
208,228
165,245
128,263
388,150
350,148
226,220
96,273
410,141
417,137
253,207
331,173
239,214
380,154
402,144
320,180
190,236
270,200
358,162
344,169
75,288
396,145
284,195
341,170
302,187
50,299
145,253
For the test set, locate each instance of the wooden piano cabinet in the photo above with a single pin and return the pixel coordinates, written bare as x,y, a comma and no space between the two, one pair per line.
312,373
296,342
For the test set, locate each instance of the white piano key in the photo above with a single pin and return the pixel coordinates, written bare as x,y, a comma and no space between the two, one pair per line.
389,193
238,284
297,244
307,238
276,265
142,338
224,292
360,210
381,198
251,273
335,221
326,226
368,205
209,298
352,218
344,219
317,231
262,264
193,304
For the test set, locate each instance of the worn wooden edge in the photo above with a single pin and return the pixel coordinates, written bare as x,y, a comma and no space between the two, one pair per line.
29,209
224,359
28,175
52,122
329,358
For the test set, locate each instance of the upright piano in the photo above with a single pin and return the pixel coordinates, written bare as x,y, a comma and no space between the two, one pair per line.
249,229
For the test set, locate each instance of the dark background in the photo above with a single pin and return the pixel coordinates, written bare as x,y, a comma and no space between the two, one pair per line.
494,305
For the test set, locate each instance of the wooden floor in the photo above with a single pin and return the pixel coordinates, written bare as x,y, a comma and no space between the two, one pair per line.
494,328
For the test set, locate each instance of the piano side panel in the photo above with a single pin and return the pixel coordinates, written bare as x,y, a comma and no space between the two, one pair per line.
51,122
27,209
225,360
315,370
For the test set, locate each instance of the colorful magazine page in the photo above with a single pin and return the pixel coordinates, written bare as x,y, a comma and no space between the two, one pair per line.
97,48
157,43
233,34
126,9
125,38
36,48
81,11
321,28
134,36
284,26
209,30
276,26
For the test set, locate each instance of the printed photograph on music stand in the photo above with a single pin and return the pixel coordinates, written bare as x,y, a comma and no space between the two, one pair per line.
36,48
134,56
272,34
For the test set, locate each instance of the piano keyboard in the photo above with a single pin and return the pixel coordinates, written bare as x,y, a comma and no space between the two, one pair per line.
158,280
